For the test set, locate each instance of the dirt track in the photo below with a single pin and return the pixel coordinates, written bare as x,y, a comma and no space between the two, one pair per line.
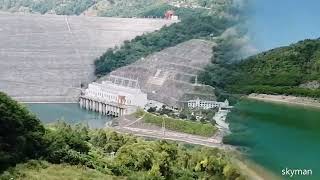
128,124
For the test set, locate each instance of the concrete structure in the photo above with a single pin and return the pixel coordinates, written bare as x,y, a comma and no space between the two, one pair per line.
175,18
220,119
171,15
202,104
46,58
116,96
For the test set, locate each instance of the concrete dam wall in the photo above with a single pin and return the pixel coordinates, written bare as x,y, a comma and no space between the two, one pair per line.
47,57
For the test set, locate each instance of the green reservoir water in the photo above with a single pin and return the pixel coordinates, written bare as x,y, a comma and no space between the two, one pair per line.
278,136
71,113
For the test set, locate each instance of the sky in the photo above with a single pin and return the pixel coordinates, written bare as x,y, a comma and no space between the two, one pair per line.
277,23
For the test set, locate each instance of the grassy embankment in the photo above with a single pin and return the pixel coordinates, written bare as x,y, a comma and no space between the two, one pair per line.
38,170
179,125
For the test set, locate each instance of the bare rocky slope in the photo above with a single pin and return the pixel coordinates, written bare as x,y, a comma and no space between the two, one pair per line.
47,58
168,76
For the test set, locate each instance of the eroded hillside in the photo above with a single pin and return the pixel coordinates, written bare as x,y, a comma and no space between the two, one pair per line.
169,76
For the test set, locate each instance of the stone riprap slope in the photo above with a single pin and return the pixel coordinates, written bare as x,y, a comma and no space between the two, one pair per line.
167,76
46,58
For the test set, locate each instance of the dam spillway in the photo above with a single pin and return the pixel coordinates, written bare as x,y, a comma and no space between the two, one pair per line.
46,58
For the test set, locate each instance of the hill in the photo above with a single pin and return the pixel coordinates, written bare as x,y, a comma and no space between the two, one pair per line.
199,22
113,8
168,76
294,70
202,27
67,7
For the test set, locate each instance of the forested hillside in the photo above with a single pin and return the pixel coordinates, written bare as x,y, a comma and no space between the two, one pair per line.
118,8
141,46
64,151
283,70
60,7
196,23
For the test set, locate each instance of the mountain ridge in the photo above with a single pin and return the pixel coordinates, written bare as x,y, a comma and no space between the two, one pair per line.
281,70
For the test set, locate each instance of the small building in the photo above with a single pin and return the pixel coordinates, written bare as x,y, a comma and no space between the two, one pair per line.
203,104
175,18
171,15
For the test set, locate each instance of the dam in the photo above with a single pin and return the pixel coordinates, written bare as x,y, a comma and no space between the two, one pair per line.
48,58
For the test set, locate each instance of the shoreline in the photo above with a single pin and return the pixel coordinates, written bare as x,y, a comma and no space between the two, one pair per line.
252,170
289,100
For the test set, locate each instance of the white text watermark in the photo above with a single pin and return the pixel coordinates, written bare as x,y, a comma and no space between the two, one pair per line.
296,172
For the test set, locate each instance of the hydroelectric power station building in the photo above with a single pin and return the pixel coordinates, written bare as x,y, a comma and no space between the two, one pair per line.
203,104
116,96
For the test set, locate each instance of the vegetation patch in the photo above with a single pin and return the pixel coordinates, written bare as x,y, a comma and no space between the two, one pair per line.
277,71
21,133
68,152
36,169
180,125
66,7
110,8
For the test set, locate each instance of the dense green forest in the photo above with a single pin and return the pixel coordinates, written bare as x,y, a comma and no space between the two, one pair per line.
67,7
277,71
61,148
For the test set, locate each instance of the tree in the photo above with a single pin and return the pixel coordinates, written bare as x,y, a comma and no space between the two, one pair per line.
20,133
231,173
136,157
65,143
152,109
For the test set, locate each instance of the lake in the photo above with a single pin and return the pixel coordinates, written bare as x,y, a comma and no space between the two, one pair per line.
69,112
278,136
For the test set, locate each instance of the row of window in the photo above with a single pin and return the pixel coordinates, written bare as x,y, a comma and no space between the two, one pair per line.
107,96
204,104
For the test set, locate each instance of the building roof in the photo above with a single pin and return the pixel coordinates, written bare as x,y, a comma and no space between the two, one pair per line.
199,100
125,82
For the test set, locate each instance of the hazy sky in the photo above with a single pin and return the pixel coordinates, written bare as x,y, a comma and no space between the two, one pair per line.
281,22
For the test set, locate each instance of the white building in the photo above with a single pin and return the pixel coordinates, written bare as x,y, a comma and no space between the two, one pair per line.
202,104
122,91
175,18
